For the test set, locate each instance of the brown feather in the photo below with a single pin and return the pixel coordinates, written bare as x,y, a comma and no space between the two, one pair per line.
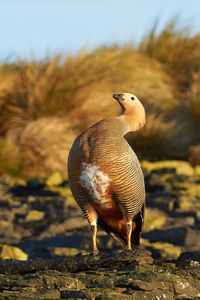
105,175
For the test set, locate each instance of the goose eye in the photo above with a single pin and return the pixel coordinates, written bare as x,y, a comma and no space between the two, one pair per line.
132,98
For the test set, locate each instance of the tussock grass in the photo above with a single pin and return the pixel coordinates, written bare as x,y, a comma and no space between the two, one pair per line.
175,48
11,157
193,99
188,112
159,139
56,87
33,94
45,104
45,143
124,70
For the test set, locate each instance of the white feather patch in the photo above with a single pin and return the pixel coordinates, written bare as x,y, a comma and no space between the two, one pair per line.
97,183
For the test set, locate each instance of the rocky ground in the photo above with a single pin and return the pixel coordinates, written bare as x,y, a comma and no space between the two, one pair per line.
43,234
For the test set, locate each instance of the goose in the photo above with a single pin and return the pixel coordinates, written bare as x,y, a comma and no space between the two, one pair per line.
105,175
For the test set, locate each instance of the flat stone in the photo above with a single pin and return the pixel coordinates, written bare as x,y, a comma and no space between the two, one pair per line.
180,236
35,215
8,251
54,179
189,256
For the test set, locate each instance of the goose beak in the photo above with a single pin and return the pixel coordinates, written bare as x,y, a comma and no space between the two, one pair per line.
118,97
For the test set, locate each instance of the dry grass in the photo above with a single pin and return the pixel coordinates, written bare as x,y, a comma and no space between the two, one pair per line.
159,139
193,102
11,157
78,84
33,94
45,104
124,70
188,111
175,48
45,143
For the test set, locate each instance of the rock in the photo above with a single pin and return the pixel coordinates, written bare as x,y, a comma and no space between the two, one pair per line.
197,171
80,263
188,257
70,201
49,218
154,219
182,288
68,225
186,204
42,285
194,190
162,201
56,246
174,236
181,236
3,225
37,182
35,215
54,179
161,249
124,275
158,290
12,181
7,252
181,167
45,223
66,251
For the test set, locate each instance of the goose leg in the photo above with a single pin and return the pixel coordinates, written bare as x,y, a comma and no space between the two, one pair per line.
94,240
128,228
129,231
92,217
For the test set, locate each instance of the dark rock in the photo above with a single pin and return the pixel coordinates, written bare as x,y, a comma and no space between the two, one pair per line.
173,198
182,236
28,190
40,253
178,178
124,275
189,256
137,257
163,201
153,183
174,236
41,284
164,171
55,241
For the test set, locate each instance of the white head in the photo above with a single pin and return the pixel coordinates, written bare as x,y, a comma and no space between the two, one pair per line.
132,110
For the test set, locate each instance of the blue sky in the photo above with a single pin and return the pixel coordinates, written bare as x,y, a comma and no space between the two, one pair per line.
42,27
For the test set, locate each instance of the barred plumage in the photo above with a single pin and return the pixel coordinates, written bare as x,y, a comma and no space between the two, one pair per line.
105,175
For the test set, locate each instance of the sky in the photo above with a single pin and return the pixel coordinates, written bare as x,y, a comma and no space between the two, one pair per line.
37,28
